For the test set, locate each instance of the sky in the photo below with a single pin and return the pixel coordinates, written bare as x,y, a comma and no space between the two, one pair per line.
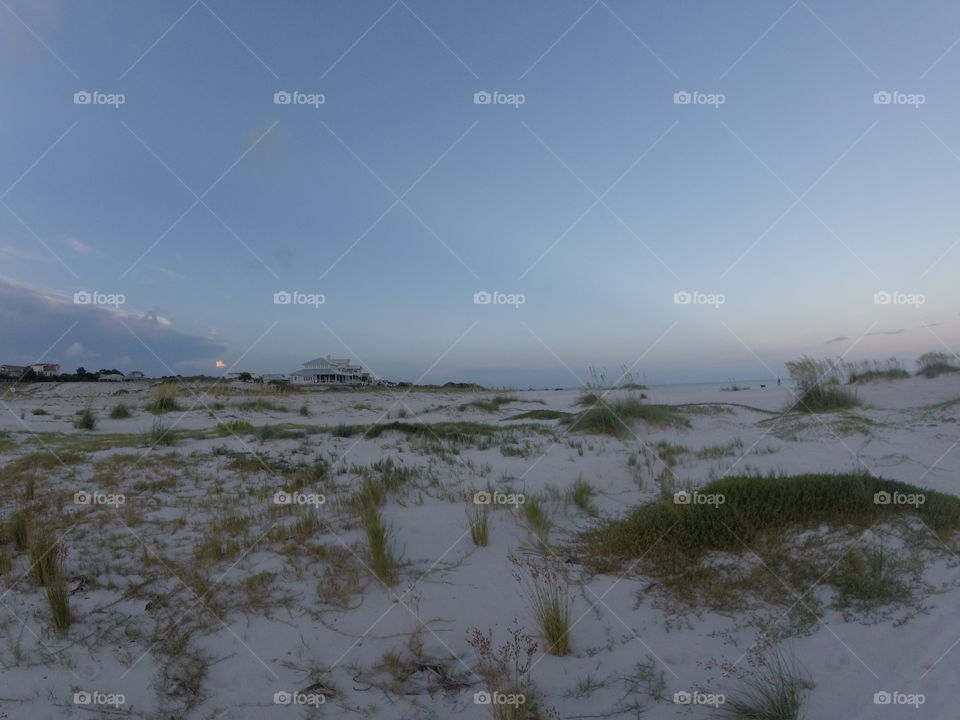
692,191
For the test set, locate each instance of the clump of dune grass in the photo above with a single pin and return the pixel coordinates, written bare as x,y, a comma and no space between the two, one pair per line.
159,434
234,427
541,415
164,399
19,529
58,598
479,519
86,420
932,364
305,410
872,371
552,607
538,518
818,387
46,556
260,405
581,494
613,416
679,540
383,560
120,411
491,404
776,690
39,411
343,431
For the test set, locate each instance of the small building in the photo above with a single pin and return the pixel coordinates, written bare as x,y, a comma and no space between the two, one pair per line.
134,375
46,369
329,371
13,371
111,377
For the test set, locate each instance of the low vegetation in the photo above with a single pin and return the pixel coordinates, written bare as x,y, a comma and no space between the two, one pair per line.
86,420
120,411
613,417
818,387
776,689
383,560
234,427
159,434
164,399
932,364
697,543
552,607
479,519
490,404
867,371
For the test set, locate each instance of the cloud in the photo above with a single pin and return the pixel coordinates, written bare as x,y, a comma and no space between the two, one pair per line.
74,350
32,319
78,247
838,338
901,331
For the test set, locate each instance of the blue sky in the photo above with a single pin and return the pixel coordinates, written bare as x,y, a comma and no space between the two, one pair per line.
597,199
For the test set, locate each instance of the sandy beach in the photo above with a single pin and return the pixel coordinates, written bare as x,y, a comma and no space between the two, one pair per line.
196,593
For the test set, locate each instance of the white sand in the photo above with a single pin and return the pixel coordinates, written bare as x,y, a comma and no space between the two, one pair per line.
447,585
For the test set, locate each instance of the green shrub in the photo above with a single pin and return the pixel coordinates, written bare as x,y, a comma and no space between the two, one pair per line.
120,411
164,399
86,420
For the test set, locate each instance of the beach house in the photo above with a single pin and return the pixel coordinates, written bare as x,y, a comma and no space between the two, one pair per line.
329,371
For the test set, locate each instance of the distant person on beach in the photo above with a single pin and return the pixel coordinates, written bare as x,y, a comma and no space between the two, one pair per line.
778,382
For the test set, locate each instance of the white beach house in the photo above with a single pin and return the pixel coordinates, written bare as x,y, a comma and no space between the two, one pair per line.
329,371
